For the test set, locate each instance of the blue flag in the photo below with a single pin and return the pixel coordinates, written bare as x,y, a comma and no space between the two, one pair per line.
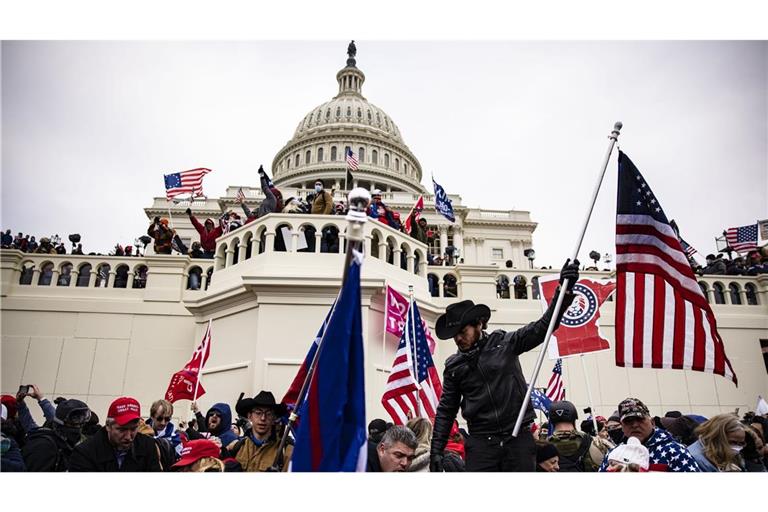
442,203
540,401
332,433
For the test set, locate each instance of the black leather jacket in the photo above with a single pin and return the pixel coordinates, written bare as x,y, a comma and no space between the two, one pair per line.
487,382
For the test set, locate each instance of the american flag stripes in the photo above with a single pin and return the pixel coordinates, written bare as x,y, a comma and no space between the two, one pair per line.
412,390
185,182
743,238
352,161
663,319
555,387
240,195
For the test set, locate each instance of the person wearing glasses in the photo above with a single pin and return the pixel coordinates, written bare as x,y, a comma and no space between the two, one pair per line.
721,439
49,449
256,451
164,431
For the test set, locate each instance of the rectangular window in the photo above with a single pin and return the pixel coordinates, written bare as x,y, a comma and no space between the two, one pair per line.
497,254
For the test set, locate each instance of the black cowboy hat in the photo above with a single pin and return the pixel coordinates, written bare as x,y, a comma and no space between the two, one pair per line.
263,399
457,316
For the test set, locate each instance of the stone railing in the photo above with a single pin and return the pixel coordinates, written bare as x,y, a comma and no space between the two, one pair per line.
297,233
518,284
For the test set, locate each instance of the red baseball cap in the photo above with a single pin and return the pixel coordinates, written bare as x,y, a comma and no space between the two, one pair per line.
196,450
9,401
124,410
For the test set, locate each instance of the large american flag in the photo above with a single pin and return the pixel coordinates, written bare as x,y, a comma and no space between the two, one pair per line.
743,238
415,390
351,160
185,182
556,387
663,319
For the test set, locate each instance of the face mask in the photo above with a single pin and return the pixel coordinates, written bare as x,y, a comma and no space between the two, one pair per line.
736,448
318,188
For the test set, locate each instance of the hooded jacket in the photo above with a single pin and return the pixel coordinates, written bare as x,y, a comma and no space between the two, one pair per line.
97,454
666,454
487,382
224,430
207,238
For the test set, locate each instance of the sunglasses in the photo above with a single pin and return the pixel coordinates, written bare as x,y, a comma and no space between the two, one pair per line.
163,418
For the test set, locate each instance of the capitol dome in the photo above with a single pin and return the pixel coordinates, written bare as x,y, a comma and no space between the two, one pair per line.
320,141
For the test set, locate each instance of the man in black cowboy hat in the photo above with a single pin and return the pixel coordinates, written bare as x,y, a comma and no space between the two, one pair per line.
485,379
257,449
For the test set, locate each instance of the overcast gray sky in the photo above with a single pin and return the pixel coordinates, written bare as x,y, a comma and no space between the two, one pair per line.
89,128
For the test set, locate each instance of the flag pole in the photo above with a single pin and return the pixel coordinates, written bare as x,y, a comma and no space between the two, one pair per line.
199,375
589,393
384,337
412,349
356,217
613,138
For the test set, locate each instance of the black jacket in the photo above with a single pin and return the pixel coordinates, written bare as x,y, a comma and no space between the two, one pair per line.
96,454
45,450
487,382
373,465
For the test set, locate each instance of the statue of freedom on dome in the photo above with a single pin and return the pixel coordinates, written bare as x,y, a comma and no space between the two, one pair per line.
352,50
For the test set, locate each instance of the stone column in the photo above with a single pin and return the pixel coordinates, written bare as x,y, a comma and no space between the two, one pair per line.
110,279
203,279
241,250
129,284
318,236
423,268
75,276
480,252
55,277
294,240
396,256
383,250
230,257
92,278
443,239
441,285
254,246
458,241
367,243
35,276
269,241
409,262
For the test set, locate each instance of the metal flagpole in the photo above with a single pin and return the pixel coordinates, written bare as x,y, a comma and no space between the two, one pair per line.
356,217
589,393
613,138
413,350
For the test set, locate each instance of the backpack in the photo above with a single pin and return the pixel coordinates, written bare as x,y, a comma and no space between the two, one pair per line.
579,460
63,451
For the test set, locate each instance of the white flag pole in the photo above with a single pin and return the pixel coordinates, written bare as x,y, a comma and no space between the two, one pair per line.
589,393
413,349
532,382
384,339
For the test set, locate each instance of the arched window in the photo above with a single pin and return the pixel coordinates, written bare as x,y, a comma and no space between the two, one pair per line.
521,291
327,114
535,287
378,118
397,164
502,287
375,157
308,157
349,111
121,277
319,154
405,168
83,274
450,287
333,153
287,163
719,293
26,274
102,274
434,285
359,113
704,289
346,150
279,240
46,273
140,277
369,116
297,159
386,160
338,111
751,292
65,276
209,274
361,155
735,293
195,278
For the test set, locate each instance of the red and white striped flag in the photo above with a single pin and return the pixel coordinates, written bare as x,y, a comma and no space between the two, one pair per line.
663,319
185,182
413,387
185,384
352,161
555,386
415,213
240,195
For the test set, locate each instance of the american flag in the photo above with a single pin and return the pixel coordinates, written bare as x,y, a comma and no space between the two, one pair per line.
663,319
409,387
351,160
743,238
687,248
185,182
240,195
555,387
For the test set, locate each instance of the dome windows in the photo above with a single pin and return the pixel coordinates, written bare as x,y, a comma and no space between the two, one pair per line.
375,157
386,160
320,153
361,154
297,159
369,116
349,111
333,153
397,164
308,157
338,112
359,113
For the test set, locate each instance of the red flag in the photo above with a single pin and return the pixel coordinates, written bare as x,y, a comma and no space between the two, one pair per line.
184,382
579,331
415,212
395,317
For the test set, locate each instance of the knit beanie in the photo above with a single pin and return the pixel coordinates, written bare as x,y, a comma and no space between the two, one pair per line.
545,451
631,453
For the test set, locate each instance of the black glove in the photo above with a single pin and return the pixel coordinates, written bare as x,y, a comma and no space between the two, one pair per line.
188,211
261,169
157,219
570,272
436,463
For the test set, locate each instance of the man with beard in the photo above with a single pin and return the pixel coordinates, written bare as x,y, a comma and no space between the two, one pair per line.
49,449
666,454
256,451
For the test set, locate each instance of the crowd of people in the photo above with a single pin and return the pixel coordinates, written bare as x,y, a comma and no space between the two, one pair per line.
753,264
29,243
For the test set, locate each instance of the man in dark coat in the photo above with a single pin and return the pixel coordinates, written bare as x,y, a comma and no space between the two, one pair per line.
485,379
118,446
49,449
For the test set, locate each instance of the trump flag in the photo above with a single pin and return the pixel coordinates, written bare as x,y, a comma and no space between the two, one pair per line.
185,383
579,330
395,317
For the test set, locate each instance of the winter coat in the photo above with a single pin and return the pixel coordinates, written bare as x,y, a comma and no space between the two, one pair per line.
207,238
269,204
373,465
487,382
323,204
382,213
697,452
46,450
578,451
224,430
25,417
420,463
163,236
418,232
10,458
253,457
666,454
97,455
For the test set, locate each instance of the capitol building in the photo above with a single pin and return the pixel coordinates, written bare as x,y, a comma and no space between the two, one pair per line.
98,327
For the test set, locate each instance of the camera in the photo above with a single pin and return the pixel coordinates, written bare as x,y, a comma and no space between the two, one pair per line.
74,238
587,410
24,389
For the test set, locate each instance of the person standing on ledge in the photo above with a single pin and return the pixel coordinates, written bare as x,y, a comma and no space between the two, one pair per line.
485,379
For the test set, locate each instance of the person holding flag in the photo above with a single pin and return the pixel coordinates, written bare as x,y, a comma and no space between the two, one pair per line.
485,379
